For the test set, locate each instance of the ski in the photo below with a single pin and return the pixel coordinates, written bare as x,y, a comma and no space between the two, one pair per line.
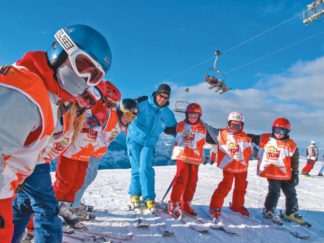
163,227
286,228
194,226
84,238
138,212
140,222
101,235
217,226
274,225
306,224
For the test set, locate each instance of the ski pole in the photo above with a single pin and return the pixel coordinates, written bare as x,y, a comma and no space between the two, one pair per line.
169,188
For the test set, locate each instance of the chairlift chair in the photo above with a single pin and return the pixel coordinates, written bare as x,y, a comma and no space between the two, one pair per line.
215,78
180,106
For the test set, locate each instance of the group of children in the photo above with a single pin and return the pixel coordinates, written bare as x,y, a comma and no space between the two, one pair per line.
55,104
83,136
278,161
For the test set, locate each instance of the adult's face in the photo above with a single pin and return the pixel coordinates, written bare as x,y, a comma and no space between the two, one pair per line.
162,99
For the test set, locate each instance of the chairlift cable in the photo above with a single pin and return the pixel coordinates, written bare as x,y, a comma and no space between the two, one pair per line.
262,33
226,51
274,52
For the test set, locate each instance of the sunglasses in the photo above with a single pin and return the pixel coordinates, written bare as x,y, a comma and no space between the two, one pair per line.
164,96
280,130
82,63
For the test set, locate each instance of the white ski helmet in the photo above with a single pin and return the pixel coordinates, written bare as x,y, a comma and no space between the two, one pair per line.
313,142
236,116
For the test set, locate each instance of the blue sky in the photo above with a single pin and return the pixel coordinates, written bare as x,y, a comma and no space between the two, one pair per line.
152,41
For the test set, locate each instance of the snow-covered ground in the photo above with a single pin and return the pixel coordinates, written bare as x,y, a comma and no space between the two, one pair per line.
109,191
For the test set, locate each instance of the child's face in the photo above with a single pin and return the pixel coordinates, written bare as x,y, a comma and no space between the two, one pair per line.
193,117
235,127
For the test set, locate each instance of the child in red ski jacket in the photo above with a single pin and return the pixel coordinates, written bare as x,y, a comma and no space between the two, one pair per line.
191,136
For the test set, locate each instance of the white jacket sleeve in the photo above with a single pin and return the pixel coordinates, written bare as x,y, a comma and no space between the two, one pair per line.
19,116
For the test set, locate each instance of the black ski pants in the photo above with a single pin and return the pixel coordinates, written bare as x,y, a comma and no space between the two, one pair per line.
289,190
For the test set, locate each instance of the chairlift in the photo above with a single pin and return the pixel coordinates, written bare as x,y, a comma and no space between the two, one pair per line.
215,78
181,105
314,11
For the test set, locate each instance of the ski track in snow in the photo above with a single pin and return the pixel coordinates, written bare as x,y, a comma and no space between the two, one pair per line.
110,192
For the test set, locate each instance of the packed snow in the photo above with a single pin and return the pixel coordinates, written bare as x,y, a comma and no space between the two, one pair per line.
110,192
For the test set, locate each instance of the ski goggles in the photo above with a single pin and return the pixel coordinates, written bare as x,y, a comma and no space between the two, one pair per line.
82,63
280,130
194,115
130,114
235,126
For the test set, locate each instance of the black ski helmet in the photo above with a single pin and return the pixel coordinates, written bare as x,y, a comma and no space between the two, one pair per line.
128,106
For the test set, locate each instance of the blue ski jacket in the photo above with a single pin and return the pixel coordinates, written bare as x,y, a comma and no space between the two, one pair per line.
150,122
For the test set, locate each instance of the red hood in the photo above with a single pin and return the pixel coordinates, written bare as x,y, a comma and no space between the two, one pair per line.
37,63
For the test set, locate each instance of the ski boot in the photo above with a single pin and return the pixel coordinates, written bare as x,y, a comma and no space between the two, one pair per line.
174,209
135,202
271,215
83,214
151,205
66,212
320,174
216,215
298,219
242,210
187,208
87,208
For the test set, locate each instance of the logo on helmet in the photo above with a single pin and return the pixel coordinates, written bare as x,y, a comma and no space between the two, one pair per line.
272,153
107,59
64,39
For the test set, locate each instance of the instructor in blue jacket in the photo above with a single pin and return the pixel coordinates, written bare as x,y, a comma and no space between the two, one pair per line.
143,133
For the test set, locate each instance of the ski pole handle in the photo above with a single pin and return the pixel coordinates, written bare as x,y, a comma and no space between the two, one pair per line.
169,188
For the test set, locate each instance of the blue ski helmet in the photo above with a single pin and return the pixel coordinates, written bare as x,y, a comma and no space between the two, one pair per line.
88,40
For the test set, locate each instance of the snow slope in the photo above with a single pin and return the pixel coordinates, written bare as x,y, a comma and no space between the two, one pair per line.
109,191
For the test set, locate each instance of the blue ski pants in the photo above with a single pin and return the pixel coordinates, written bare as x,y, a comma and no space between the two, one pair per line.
37,197
142,173
91,174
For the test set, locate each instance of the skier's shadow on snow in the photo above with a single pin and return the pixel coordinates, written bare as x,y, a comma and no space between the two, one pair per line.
316,218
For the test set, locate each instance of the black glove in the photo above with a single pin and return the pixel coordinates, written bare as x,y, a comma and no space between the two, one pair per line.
295,178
